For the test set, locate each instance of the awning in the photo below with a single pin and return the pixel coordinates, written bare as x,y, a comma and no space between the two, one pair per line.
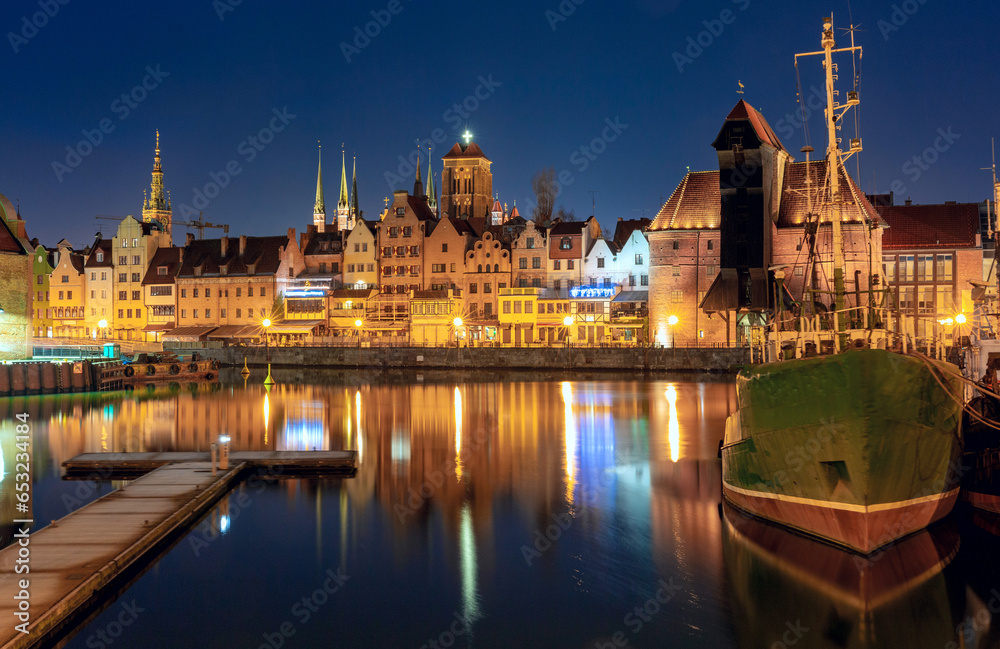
165,326
632,296
188,334
227,331
294,327
732,292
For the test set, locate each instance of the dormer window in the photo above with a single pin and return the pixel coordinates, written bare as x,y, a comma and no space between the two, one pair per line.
565,243
161,270
322,246
100,257
400,211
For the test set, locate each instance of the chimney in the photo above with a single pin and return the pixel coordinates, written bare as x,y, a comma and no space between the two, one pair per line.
224,245
180,257
291,234
302,240
909,202
243,244
189,238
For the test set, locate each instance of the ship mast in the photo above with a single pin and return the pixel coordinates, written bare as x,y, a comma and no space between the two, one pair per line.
833,165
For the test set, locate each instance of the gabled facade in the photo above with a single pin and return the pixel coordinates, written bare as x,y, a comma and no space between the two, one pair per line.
530,257
43,264
633,261
133,246
600,268
568,245
361,256
99,286
487,270
401,244
444,253
66,288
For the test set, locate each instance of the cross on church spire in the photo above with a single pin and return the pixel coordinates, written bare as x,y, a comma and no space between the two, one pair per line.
467,136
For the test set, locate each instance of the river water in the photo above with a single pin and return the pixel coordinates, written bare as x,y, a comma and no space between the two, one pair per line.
490,511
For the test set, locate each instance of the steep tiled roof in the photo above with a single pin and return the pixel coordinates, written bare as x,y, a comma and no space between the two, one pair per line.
743,110
624,230
420,208
8,240
102,245
795,197
568,227
953,225
333,241
169,257
77,260
262,251
694,205
472,150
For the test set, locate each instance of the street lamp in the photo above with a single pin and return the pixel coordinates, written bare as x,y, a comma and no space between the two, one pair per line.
267,348
103,325
457,322
567,322
671,322
357,327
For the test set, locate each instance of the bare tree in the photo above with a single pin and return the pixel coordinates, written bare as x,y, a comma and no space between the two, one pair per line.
544,186
565,216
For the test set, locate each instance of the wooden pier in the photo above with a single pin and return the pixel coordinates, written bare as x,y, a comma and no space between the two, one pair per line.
92,553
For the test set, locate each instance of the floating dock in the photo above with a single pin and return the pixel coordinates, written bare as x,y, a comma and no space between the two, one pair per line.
90,554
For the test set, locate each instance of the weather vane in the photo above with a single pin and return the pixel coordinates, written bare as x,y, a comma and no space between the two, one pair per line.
740,91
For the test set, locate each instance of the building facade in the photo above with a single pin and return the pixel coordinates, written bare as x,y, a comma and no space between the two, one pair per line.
466,182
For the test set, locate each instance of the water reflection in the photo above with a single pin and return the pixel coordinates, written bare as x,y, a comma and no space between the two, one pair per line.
798,591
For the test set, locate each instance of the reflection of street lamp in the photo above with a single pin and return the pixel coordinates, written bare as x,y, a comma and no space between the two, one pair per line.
357,327
267,348
103,325
457,322
567,322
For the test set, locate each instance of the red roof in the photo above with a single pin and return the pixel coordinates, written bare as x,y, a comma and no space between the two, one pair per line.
795,196
497,207
695,204
743,110
471,150
514,213
953,225
624,230
8,240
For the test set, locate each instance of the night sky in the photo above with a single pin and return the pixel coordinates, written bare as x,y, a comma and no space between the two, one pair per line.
550,79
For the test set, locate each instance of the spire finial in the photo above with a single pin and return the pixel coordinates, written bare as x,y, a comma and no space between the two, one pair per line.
740,91
467,136
320,205
344,203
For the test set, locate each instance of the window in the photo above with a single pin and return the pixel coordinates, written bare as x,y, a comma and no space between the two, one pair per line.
925,299
239,313
414,251
943,271
799,271
194,313
556,265
262,313
136,295
135,243
400,211
506,306
350,268
711,244
906,268
906,295
184,292
124,243
121,313
208,292
889,268
93,295
710,271
161,271
675,271
522,263
135,260
677,246
249,292
676,297
528,307
357,247
160,291
222,313
638,258
536,282
530,243
407,231
128,313
453,268
184,313
387,251
444,247
517,306
400,251
600,262
394,231
437,268
208,313
136,278
122,295
925,268
945,304
570,265
93,311
122,260
631,280
39,278
263,291
644,280
371,268
488,309
322,266
122,277
487,287
93,275
195,292
239,292
364,247
565,243
104,276
473,288
100,256
60,295
386,271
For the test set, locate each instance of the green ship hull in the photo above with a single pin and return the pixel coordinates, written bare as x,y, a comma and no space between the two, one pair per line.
856,448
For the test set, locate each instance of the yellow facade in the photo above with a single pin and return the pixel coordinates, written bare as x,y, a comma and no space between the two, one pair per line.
66,291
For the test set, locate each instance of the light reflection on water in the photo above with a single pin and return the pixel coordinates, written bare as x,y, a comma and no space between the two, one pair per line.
541,513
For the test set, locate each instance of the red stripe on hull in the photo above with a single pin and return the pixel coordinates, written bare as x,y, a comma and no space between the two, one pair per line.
986,502
862,532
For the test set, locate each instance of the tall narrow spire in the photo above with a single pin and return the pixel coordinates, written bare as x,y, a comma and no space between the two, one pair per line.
355,212
320,206
344,202
157,207
431,190
418,185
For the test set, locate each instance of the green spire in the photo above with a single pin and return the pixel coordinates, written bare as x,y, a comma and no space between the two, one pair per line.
320,207
431,191
344,201
354,192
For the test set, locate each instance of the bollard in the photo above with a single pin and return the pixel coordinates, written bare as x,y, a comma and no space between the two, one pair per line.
224,452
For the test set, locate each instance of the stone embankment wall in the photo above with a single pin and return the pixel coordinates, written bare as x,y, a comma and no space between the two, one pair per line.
641,359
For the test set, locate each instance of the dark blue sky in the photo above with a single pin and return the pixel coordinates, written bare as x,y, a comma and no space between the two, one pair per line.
548,92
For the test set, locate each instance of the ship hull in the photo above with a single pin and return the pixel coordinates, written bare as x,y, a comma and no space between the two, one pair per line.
857,448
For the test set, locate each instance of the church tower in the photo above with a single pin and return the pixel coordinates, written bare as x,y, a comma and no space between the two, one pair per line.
157,206
466,181
355,211
319,208
431,189
344,204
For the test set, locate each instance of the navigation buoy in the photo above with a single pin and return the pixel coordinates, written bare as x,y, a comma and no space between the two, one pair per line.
268,380
245,372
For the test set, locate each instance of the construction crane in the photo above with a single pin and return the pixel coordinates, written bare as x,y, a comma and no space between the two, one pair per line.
201,224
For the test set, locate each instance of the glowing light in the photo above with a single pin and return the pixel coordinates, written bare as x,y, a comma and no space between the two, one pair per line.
672,320
458,434
568,321
469,563
467,136
570,436
357,411
457,322
224,439
103,324
358,323
224,524
674,429
592,291
267,322
946,321
960,318
267,415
